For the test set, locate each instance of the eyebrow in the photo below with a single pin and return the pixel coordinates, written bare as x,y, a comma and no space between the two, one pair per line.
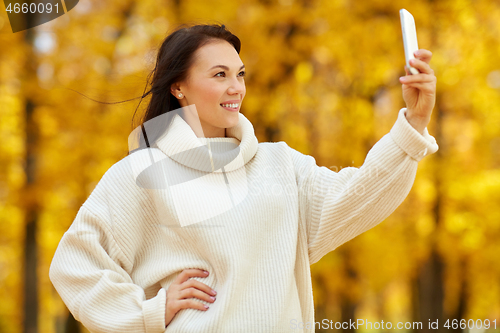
225,67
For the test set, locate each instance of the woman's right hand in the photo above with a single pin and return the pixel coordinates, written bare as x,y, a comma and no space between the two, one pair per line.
184,287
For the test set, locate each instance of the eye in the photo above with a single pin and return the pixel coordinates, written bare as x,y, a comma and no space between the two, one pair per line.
223,74
242,73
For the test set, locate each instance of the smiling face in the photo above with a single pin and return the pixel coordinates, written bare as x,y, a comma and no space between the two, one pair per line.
215,85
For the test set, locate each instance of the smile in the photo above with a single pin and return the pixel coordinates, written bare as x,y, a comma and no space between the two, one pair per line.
231,105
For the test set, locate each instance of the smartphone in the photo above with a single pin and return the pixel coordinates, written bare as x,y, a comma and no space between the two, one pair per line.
409,37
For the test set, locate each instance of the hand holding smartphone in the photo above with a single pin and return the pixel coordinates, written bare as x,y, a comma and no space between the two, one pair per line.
409,38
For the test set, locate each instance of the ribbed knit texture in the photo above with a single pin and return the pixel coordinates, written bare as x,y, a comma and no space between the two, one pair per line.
256,224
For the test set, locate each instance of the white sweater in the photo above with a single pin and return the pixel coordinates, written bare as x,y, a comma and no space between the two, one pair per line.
256,226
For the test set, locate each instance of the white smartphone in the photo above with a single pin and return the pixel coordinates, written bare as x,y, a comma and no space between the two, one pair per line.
409,37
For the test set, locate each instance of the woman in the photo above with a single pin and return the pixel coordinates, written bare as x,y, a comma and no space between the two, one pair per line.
203,229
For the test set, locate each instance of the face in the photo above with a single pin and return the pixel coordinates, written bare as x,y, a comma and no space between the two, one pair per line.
216,86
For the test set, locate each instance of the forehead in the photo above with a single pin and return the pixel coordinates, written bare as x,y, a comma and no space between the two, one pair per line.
217,53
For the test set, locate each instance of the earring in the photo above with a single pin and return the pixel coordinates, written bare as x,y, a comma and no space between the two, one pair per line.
180,95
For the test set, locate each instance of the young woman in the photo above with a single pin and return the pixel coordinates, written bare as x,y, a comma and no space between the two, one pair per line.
203,229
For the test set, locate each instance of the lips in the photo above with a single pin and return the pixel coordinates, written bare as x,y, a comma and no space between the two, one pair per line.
232,101
231,105
231,109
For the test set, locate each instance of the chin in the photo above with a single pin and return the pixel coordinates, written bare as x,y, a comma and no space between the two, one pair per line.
233,122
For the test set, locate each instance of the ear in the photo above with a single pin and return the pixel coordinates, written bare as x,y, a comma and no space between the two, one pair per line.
175,89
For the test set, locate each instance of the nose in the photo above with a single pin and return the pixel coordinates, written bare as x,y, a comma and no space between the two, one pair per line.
237,86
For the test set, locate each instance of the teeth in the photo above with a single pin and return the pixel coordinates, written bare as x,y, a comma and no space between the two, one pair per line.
233,105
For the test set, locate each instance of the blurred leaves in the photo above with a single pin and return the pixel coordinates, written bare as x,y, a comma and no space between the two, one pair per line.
322,75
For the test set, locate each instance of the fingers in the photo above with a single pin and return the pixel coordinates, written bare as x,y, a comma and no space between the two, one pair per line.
423,87
184,288
423,82
421,62
175,306
189,273
421,66
197,284
417,78
195,293
424,55
191,304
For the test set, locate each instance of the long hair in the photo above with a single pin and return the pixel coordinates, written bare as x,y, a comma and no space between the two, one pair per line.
173,61
174,58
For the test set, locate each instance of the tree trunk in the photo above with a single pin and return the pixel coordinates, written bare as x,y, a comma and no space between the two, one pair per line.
429,288
72,326
459,312
430,293
347,308
29,198
348,301
31,218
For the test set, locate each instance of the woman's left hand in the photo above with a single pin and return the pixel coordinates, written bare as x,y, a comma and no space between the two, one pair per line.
419,90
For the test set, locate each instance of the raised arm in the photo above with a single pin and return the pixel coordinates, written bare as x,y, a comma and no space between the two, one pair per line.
338,206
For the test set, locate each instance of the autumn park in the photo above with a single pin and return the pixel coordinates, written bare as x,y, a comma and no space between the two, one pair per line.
321,75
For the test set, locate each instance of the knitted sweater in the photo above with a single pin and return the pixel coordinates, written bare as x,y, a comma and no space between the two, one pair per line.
256,219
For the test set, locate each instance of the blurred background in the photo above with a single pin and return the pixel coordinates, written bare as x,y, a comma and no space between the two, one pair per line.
322,75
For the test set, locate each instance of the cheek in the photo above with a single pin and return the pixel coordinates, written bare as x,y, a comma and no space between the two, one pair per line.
209,91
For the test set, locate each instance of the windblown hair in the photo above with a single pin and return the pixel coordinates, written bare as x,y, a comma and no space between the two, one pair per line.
174,58
173,61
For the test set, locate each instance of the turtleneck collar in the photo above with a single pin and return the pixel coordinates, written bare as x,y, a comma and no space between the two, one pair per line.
220,154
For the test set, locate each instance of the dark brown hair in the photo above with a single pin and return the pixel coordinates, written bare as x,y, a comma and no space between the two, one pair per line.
174,58
173,61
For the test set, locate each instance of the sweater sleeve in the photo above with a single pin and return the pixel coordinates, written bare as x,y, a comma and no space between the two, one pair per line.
87,272
338,206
